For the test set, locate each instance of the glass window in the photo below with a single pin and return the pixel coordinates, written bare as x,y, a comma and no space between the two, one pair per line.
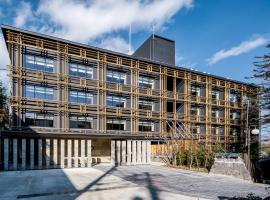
145,81
81,70
34,91
146,126
195,90
115,101
39,63
215,94
116,124
116,77
38,119
80,97
196,129
195,111
80,122
145,105
215,113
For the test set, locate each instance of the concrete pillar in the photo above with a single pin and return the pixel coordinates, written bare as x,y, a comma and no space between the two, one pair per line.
69,153
15,154
32,153
6,154
123,152
134,152
76,153
82,153
62,154
89,153
139,151
113,151
118,151
128,152
48,146
144,152
23,154
55,144
148,152
40,154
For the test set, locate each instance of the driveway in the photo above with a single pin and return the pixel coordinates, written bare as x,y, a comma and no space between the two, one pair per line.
124,182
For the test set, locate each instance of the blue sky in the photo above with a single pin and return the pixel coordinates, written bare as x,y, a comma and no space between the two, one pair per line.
220,37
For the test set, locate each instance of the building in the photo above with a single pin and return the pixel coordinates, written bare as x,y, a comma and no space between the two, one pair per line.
73,105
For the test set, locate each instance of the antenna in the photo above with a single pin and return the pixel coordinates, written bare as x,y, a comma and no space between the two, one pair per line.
129,39
153,41
153,30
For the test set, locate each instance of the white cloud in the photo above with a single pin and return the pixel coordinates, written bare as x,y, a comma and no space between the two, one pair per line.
92,20
81,21
23,14
244,47
115,44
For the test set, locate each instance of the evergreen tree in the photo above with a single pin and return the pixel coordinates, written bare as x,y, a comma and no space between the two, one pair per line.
3,107
262,72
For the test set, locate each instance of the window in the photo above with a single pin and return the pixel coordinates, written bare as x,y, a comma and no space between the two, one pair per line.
195,90
215,113
80,97
33,91
195,111
196,129
145,105
115,101
39,63
215,94
116,77
234,115
80,70
234,131
146,126
215,130
145,81
116,124
38,119
80,122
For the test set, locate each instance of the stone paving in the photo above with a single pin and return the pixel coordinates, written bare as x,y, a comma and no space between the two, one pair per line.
132,182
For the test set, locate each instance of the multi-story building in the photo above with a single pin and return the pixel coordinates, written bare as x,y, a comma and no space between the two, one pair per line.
73,104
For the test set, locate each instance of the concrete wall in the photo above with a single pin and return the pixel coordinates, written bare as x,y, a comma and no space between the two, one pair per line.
130,152
230,167
25,154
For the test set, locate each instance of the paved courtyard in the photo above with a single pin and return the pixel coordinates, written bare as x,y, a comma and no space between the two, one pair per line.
133,182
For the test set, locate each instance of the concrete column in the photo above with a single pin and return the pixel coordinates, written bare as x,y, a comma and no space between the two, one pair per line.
82,153
139,151
23,154
89,153
113,151
62,154
32,153
144,152
123,152
148,152
118,151
128,152
55,144
15,154
69,153
48,146
6,154
76,153
134,152
40,154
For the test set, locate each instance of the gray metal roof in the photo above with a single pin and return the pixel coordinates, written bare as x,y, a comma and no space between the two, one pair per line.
40,35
